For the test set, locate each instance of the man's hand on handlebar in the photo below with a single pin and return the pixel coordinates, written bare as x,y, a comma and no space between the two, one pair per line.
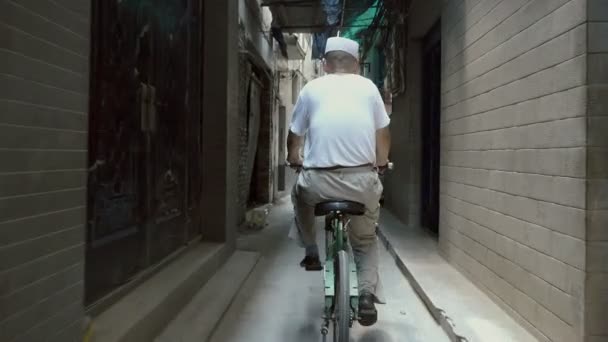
381,169
295,163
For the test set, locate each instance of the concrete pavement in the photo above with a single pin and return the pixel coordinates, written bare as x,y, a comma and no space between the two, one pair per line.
280,302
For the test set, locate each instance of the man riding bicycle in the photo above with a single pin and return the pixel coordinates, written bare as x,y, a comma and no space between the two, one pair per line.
341,121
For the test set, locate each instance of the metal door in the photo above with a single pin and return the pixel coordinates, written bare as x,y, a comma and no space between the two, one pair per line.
144,141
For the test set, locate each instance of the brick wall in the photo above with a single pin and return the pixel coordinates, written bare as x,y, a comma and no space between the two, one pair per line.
243,180
513,176
44,47
596,296
263,173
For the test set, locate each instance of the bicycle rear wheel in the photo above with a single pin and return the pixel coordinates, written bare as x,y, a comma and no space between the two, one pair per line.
342,309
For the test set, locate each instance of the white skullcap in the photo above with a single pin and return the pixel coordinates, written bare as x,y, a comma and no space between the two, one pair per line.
342,44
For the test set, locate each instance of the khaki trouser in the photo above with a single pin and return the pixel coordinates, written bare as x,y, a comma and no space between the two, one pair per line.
354,184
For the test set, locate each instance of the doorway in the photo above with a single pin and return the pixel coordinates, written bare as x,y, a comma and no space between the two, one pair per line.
431,129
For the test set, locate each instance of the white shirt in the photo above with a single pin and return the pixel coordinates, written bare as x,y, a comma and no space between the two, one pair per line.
339,115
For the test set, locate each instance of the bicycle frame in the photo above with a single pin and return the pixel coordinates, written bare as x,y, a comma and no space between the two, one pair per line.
335,224
336,239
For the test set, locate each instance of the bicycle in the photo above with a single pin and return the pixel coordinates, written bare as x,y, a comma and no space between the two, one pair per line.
339,272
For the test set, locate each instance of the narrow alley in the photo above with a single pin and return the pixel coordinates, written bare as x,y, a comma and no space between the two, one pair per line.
149,151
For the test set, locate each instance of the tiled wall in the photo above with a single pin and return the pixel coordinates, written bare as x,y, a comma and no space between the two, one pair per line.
513,176
44,82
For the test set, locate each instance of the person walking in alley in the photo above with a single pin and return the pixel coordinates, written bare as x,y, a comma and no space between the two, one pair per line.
341,123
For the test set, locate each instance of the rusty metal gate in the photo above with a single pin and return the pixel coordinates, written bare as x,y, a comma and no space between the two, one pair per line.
144,143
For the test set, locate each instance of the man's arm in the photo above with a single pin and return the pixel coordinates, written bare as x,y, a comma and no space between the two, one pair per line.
294,146
298,129
383,145
383,133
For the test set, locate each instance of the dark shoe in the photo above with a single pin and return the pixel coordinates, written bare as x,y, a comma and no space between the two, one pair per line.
368,315
311,263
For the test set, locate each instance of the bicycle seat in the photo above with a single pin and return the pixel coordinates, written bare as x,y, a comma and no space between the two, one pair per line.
346,207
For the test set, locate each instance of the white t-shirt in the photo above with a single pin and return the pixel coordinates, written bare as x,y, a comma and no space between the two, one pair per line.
339,115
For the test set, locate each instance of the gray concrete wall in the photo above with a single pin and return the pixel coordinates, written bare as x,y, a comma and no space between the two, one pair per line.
596,290
256,20
220,122
513,156
402,185
44,83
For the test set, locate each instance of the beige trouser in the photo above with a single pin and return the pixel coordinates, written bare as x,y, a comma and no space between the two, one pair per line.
354,184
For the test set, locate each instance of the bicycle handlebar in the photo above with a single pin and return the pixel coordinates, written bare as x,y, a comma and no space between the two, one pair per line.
382,169
388,166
